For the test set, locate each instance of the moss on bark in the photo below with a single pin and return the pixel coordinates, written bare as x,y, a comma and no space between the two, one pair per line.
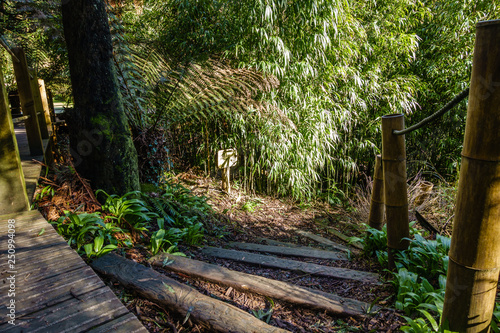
101,142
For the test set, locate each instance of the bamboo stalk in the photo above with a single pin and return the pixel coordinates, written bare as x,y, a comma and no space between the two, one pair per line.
475,250
395,192
376,217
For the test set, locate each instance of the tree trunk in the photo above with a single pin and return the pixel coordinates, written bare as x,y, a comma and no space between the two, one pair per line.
100,138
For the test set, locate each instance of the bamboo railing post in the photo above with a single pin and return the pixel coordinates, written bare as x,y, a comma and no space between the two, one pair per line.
35,88
376,217
474,262
27,103
13,196
395,192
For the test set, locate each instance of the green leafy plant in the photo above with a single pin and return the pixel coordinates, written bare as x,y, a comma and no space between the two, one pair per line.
47,191
97,248
251,205
128,210
375,240
88,233
265,315
420,279
163,237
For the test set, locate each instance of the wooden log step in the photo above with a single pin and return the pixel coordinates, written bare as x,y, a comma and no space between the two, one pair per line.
294,265
345,238
217,315
275,242
302,251
283,291
324,241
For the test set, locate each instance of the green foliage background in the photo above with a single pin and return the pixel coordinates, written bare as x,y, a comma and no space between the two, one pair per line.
298,87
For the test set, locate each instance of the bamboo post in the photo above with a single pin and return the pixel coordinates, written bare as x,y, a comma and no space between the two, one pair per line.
27,103
395,192
474,263
13,196
35,88
376,217
45,102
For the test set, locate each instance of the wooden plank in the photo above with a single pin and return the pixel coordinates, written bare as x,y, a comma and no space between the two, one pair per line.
124,324
55,290
303,251
54,252
13,197
313,269
19,119
28,221
37,269
257,284
28,214
217,315
275,242
27,260
324,241
25,240
27,103
44,271
345,238
72,316
35,88
39,247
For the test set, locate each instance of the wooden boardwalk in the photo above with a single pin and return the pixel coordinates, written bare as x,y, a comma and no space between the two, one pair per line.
55,290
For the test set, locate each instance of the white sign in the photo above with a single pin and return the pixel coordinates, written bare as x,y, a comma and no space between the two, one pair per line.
227,158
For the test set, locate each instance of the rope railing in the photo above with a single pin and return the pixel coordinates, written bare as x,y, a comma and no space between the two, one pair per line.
457,99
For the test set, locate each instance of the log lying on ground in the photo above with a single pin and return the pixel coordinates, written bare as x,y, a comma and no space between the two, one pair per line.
274,262
283,291
215,314
302,251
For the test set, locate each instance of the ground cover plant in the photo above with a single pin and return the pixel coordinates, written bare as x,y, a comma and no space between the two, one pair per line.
419,278
160,219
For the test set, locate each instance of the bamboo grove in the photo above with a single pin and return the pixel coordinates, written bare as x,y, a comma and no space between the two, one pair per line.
297,87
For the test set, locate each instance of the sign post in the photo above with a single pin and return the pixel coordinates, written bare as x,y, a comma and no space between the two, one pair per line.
226,159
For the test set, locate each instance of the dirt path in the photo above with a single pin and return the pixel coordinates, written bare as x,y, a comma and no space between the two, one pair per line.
249,219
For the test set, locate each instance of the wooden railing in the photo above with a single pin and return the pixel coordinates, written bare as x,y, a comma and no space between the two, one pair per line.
37,120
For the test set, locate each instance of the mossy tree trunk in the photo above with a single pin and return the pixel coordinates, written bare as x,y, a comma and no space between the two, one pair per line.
101,142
